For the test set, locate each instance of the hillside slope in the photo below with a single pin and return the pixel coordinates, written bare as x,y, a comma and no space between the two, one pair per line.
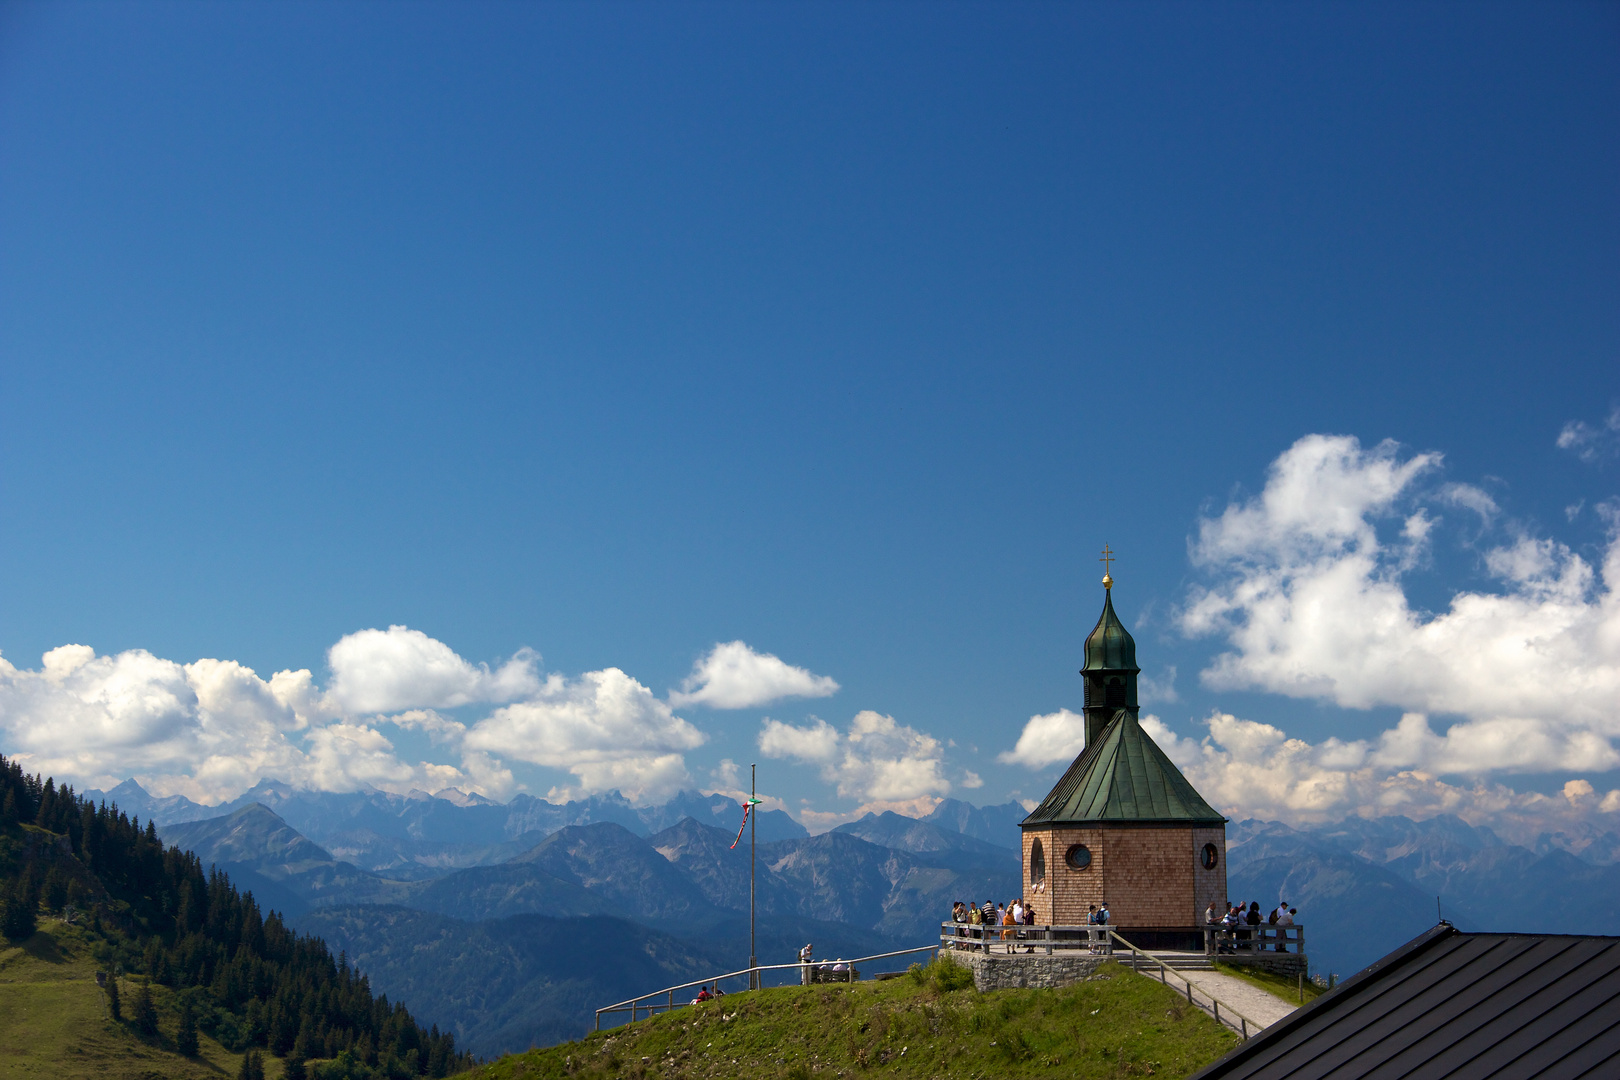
529,980
1114,1024
243,975
54,1021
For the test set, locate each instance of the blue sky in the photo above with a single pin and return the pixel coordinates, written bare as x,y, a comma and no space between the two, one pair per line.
850,332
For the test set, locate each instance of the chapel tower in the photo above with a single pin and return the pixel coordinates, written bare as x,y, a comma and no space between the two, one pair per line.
1123,825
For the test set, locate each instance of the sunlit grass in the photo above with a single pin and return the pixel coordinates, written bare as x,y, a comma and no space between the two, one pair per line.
1114,1024
54,1022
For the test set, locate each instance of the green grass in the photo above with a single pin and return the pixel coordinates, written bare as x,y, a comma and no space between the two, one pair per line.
1283,986
54,1022
1112,1025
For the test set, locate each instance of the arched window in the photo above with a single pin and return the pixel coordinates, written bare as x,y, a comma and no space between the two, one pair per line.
1037,862
1210,856
1078,857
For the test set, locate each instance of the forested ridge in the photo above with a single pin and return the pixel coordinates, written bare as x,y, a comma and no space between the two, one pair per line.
248,979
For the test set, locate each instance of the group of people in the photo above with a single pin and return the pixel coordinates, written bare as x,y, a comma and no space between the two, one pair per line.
1010,916
826,971
1236,925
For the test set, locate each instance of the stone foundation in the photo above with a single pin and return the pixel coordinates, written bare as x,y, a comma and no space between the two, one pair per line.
1021,971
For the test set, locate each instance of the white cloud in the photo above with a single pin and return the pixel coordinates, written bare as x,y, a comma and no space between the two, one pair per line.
400,668
1048,739
1312,604
817,743
213,728
877,760
439,729
1158,689
1249,769
604,727
733,676
1591,443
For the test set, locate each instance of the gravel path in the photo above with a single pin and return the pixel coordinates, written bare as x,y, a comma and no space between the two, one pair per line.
1261,1006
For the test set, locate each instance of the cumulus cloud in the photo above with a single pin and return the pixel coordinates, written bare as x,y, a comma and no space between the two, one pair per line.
1310,598
734,676
1592,442
876,761
1250,769
818,743
438,729
604,727
1048,739
93,717
1158,689
213,728
399,668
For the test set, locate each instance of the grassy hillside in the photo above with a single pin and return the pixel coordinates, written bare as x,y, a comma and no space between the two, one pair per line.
1115,1024
142,908
54,1022
531,980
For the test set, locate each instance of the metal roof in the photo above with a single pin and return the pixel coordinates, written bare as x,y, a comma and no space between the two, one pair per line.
1109,646
1450,1004
1124,777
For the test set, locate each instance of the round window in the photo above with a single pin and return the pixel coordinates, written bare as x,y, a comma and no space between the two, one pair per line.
1078,857
1210,857
1037,862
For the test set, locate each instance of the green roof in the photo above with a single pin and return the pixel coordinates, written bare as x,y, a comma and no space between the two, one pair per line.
1110,647
1125,777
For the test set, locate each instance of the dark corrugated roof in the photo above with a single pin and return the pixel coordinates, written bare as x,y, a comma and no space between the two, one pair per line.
1125,777
1449,1004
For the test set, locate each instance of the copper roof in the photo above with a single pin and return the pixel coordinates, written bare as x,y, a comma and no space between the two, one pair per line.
1124,777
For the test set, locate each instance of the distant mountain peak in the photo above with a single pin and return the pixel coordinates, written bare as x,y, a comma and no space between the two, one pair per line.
457,797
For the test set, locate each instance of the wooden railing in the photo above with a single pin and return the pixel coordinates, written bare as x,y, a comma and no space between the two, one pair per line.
1266,937
647,1003
1232,1019
976,937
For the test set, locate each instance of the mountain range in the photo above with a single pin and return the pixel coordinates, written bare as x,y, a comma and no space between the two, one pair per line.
420,835
461,907
1365,885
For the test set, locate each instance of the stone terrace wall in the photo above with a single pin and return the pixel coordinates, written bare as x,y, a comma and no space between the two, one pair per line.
1026,970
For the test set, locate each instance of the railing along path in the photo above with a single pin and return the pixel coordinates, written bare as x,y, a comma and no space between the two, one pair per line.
1242,1024
815,968
1103,940
981,937
1218,941
977,937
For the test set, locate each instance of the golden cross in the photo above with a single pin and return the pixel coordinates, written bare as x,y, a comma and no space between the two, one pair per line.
1108,565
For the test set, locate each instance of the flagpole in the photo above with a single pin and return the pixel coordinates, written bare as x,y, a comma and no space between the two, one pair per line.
753,959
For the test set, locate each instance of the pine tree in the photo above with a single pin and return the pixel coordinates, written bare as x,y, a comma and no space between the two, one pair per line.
185,1040
294,1068
17,916
143,1011
252,1066
112,996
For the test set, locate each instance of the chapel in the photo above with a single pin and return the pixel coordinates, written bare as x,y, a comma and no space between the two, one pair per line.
1123,825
